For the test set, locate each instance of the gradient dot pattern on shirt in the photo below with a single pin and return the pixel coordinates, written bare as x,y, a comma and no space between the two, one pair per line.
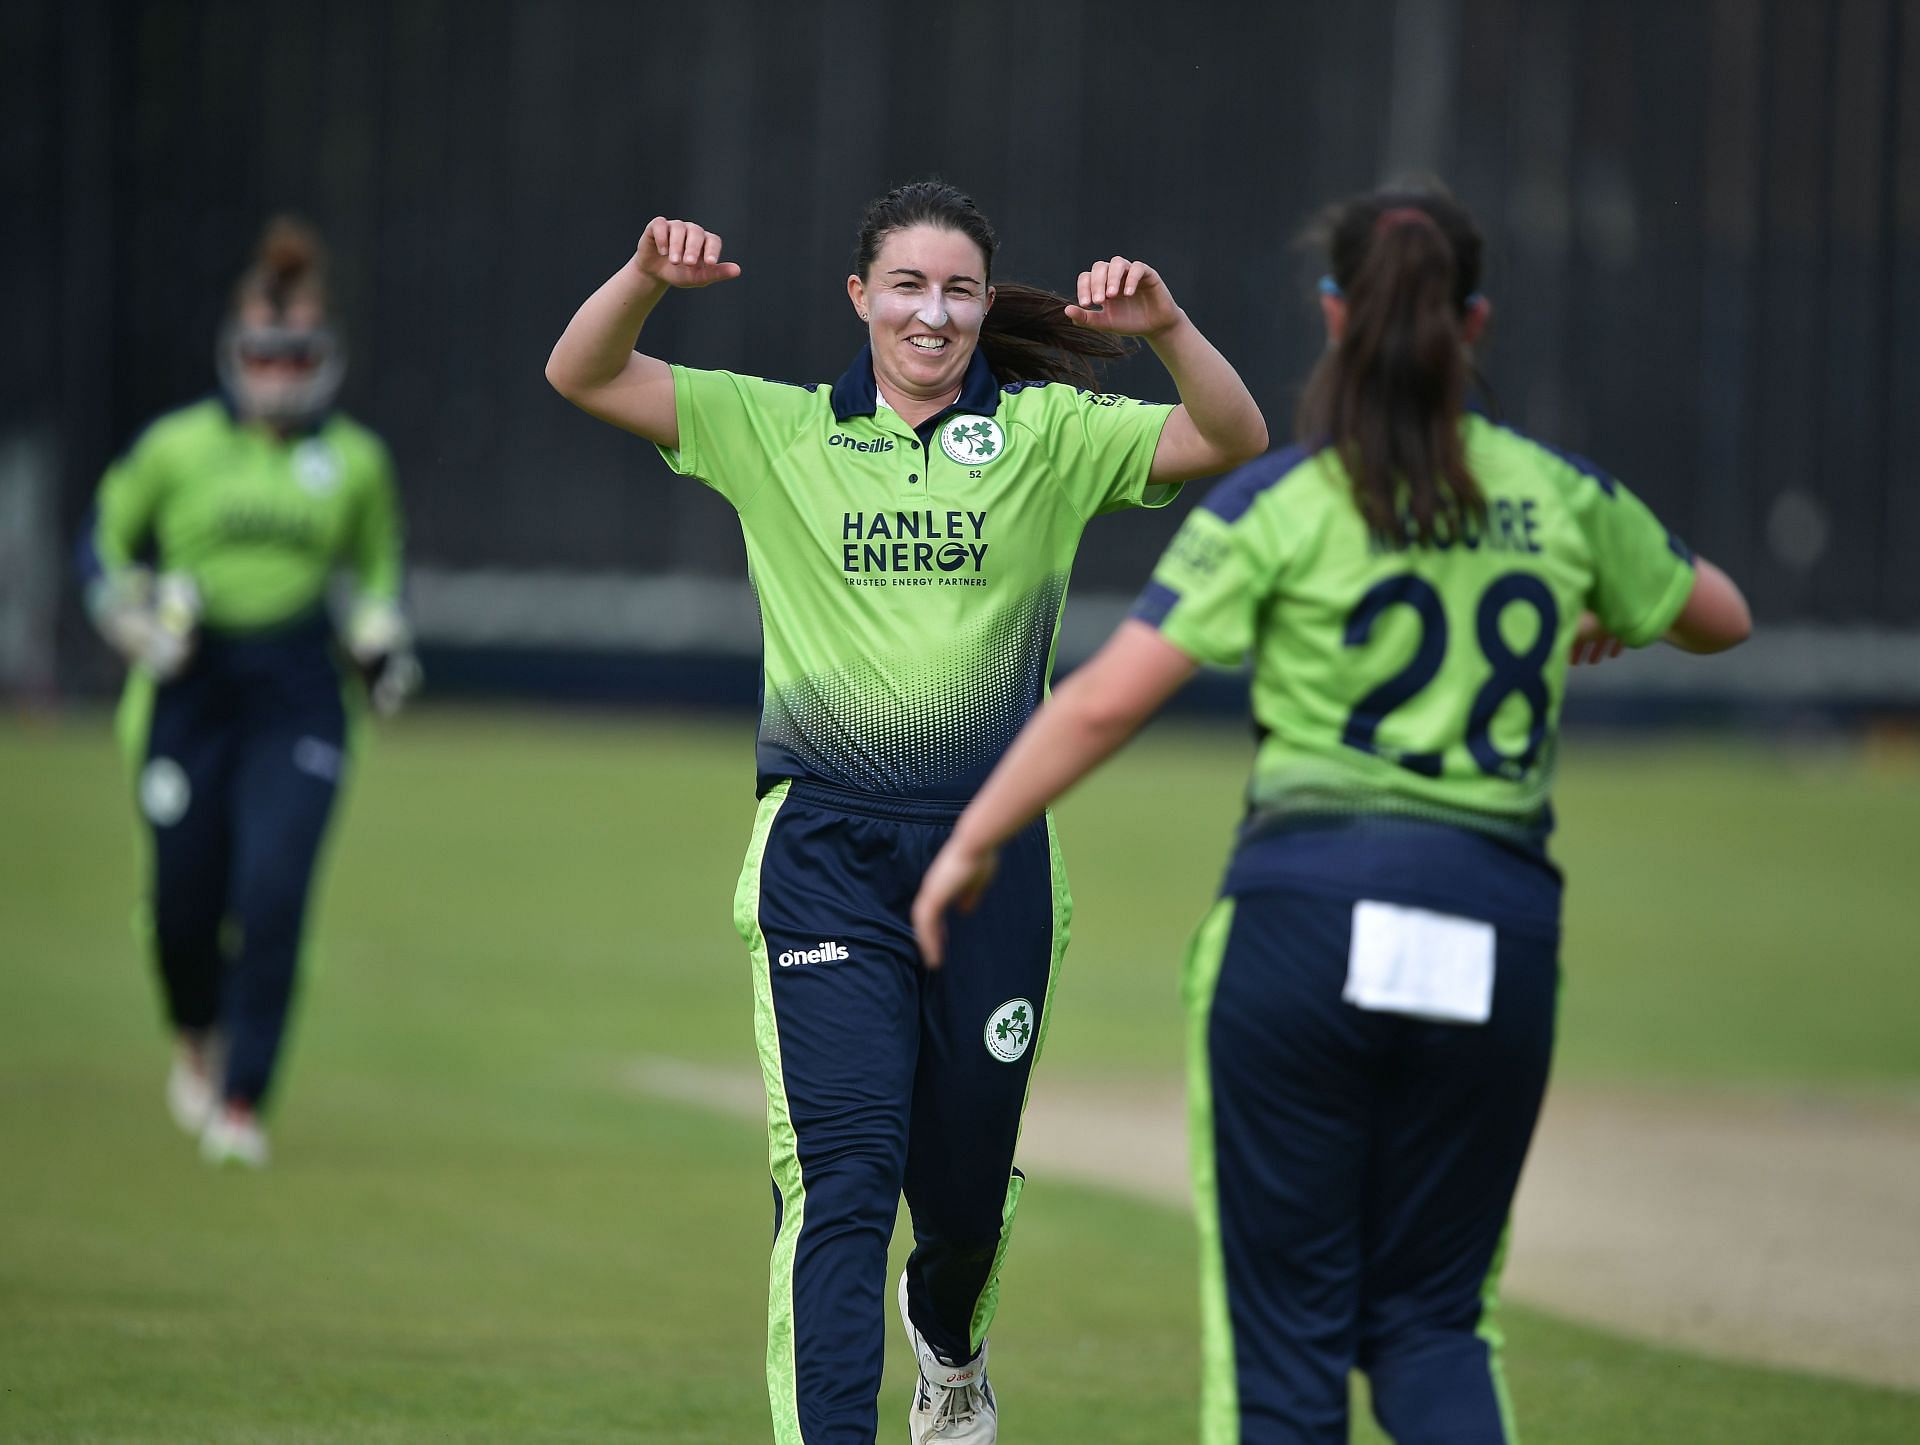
927,725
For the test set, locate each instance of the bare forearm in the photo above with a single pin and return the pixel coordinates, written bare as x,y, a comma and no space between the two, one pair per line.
1068,738
595,347
1217,401
1716,616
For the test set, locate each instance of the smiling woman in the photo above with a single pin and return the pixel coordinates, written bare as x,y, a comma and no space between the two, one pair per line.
909,532
921,283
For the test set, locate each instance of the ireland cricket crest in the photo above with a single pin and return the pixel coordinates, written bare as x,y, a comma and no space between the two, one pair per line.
1010,1030
972,441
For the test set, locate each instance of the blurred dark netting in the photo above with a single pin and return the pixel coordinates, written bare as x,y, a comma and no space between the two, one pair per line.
1705,227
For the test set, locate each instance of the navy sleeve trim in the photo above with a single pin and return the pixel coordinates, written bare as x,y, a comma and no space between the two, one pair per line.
1580,464
1234,497
1156,601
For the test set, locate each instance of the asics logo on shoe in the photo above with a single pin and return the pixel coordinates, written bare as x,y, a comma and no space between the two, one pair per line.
824,953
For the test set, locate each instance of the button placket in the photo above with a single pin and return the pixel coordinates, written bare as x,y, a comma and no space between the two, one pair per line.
918,471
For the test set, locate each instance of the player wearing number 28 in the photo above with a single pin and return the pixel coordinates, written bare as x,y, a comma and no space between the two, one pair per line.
909,531
1372,999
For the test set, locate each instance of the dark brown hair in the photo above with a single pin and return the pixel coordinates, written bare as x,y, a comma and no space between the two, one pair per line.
289,264
1389,395
1026,335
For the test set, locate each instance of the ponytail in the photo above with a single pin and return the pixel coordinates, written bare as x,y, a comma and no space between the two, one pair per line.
1026,335
289,263
1388,396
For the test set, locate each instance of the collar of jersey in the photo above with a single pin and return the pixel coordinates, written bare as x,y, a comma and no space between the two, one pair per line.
305,427
855,394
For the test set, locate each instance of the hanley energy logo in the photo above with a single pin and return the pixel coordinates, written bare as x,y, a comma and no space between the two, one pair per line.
972,441
1010,1030
914,549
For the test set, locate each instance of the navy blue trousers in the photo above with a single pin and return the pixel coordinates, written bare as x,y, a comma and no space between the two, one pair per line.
242,760
884,1079
1362,1167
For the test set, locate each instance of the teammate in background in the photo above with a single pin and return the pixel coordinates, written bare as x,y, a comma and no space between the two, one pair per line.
1372,999
909,533
234,717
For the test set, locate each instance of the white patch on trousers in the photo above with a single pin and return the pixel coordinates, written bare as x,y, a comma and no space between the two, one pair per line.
1425,965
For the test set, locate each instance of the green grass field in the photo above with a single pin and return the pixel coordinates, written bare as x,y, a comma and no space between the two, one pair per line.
476,1230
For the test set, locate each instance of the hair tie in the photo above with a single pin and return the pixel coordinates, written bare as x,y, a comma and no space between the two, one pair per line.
1330,287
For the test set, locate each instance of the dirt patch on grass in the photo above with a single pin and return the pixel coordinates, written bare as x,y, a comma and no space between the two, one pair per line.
1778,1229
1783,1229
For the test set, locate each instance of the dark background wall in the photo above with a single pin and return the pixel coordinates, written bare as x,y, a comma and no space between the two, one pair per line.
1704,223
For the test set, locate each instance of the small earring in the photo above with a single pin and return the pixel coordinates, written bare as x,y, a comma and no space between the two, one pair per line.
863,316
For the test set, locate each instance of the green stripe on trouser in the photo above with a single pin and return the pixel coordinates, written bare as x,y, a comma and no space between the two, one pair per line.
1219,1384
989,1302
132,726
783,1152
1496,1340
1488,1329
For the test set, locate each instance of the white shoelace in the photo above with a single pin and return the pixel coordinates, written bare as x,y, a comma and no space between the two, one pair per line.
961,1404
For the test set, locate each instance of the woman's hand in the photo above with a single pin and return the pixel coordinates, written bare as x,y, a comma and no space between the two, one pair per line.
152,623
681,253
1125,297
958,877
1593,643
597,365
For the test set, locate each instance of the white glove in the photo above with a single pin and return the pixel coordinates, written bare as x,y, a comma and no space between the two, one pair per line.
149,622
382,648
396,679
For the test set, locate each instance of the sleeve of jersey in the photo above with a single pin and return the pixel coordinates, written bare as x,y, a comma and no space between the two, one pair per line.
731,428
1206,592
1643,574
1104,446
377,542
129,496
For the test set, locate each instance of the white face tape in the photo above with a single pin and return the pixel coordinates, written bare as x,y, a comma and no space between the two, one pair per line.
932,310
933,314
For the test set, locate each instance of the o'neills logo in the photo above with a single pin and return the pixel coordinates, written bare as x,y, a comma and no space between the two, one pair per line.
913,549
825,953
853,444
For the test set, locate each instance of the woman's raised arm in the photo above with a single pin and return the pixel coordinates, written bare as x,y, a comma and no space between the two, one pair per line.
594,364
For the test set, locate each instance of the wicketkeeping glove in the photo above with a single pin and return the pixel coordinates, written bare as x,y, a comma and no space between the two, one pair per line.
382,648
150,622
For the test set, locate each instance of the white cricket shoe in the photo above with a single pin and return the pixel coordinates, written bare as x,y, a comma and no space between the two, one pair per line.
952,1404
232,1138
189,1092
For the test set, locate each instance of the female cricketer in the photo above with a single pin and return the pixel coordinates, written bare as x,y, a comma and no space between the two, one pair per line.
909,532
216,539
1372,999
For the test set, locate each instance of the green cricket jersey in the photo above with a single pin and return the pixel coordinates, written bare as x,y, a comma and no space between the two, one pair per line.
258,521
909,582
1424,681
